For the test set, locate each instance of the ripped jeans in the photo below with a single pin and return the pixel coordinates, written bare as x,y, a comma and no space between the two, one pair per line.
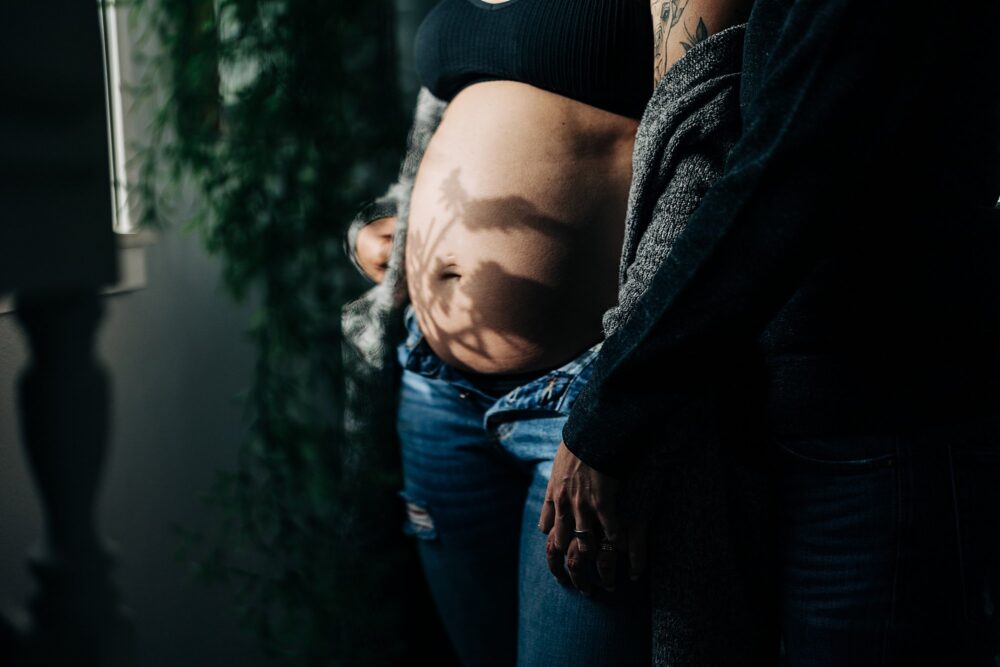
476,467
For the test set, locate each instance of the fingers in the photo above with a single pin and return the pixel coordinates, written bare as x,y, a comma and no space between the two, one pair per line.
578,566
585,535
562,531
562,550
584,529
614,543
636,549
607,564
557,522
562,527
610,524
556,560
548,515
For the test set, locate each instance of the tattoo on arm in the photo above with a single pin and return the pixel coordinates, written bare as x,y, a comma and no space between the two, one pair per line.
676,9
654,10
666,15
700,35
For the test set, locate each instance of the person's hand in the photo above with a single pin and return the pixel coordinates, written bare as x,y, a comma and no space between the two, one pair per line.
374,244
581,519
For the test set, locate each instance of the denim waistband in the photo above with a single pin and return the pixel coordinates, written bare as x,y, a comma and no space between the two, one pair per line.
497,385
554,390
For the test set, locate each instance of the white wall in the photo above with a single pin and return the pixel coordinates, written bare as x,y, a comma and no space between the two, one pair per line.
177,358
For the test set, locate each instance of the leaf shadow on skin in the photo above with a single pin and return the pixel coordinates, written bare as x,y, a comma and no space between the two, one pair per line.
503,306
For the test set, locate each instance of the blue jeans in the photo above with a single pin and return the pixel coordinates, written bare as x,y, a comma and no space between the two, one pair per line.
476,468
891,548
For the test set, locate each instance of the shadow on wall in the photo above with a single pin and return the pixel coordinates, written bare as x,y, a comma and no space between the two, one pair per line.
177,364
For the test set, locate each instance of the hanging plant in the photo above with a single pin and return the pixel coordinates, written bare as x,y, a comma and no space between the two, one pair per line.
285,114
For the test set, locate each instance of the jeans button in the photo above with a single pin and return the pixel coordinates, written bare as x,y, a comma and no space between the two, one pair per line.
464,394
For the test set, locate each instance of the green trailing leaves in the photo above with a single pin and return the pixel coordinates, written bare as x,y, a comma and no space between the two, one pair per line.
285,116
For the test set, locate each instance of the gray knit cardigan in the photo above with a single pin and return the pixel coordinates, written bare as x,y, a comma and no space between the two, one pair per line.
702,614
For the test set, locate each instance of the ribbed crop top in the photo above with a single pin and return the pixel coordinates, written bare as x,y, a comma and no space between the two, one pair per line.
599,52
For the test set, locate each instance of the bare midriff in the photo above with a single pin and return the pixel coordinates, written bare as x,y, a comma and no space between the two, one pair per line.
515,227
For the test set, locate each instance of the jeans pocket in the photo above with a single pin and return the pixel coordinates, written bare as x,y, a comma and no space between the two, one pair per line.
413,353
841,454
577,374
837,533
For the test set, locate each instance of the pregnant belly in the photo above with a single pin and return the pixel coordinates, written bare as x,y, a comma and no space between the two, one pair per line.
515,227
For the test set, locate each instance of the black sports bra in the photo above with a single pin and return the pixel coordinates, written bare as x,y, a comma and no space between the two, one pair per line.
599,52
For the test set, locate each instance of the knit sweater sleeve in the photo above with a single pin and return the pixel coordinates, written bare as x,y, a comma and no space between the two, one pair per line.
427,115
829,95
368,322
688,128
